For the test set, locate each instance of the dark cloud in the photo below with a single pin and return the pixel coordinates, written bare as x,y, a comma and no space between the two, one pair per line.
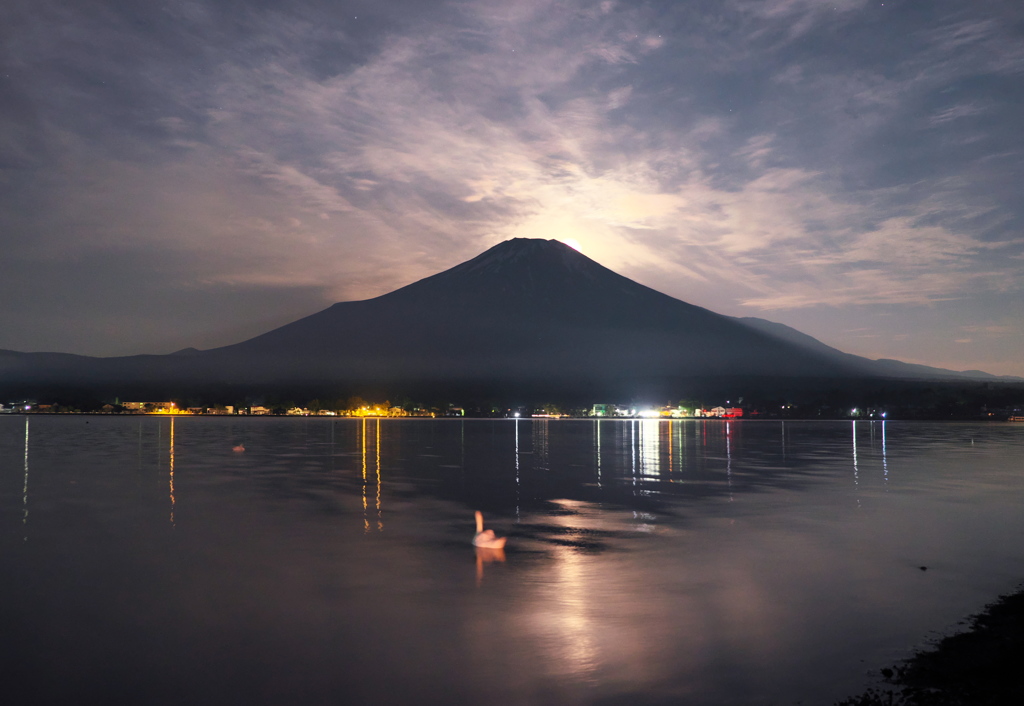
842,167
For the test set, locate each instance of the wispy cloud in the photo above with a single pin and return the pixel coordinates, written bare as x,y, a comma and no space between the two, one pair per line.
955,112
516,143
780,155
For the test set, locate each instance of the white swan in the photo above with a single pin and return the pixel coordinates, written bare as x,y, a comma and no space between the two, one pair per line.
485,538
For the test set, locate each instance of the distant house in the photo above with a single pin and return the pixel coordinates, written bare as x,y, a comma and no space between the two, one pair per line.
721,412
142,407
611,410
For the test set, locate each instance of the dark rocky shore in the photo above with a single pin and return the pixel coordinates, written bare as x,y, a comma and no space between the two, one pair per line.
983,666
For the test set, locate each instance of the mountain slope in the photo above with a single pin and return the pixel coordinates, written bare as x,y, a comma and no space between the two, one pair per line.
526,309
883,367
524,313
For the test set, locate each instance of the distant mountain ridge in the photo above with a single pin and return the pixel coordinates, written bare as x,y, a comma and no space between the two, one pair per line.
885,367
527,313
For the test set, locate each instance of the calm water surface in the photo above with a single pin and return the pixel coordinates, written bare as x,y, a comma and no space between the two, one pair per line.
648,562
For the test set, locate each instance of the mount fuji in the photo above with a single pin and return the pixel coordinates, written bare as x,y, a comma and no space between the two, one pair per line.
527,314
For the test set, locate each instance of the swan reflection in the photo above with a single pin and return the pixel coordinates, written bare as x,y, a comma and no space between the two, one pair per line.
487,555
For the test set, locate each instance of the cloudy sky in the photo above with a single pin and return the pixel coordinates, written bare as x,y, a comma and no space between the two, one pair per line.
192,173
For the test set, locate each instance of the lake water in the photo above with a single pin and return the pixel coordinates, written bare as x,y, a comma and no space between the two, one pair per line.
648,562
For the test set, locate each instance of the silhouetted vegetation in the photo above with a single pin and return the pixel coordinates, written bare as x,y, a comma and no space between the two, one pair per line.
760,398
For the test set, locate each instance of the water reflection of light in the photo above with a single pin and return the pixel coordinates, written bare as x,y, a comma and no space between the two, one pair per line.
649,446
679,444
597,448
632,452
728,458
566,617
577,644
366,520
783,441
24,490
172,471
855,478
670,432
670,438
517,465
541,431
365,452
380,518
856,470
885,463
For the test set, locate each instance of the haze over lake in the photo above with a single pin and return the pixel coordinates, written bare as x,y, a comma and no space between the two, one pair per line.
648,562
